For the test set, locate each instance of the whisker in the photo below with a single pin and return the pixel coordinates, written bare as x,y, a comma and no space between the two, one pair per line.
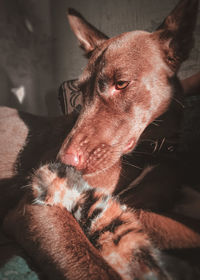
148,139
133,165
142,153
26,186
158,120
137,180
178,102
162,143
156,124
155,142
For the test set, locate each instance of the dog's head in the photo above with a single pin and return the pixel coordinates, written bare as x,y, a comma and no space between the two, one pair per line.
125,86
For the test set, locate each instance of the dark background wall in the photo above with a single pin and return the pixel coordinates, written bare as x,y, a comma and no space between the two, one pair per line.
38,50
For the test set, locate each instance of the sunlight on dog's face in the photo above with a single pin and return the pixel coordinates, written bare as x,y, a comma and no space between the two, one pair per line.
125,87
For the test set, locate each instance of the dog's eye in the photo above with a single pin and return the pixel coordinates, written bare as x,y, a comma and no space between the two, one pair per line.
121,85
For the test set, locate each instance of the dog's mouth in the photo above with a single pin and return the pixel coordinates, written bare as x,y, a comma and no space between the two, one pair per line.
95,160
98,159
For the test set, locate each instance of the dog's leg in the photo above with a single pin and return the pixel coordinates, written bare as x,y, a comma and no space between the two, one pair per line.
171,231
56,246
155,200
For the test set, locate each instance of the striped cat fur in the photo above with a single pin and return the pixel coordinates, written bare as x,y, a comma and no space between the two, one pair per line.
113,228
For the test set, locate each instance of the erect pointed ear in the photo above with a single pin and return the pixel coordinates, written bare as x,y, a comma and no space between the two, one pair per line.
89,37
176,32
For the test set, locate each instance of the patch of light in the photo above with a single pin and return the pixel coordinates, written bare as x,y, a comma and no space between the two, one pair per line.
19,93
29,25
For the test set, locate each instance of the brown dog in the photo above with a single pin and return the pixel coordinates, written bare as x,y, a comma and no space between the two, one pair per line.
130,80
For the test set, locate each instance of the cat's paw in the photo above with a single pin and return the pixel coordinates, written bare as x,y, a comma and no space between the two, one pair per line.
48,182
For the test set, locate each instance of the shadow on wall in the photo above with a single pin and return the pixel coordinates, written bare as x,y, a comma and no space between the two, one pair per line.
7,98
26,64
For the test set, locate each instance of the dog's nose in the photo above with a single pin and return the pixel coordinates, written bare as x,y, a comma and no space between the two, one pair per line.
72,158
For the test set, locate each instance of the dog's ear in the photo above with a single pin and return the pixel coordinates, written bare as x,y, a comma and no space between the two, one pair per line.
89,37
176,32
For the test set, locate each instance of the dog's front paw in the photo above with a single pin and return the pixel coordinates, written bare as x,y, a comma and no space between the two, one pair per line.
48,182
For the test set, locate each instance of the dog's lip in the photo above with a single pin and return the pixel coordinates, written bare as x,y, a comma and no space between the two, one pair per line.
130,145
